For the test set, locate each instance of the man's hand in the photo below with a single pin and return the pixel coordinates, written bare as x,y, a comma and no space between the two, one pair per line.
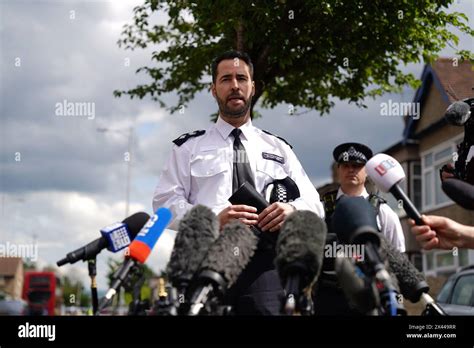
447,172
272,217
442,233
245,213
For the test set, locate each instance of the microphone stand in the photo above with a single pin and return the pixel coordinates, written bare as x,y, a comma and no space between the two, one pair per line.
92,266
137,307
375,269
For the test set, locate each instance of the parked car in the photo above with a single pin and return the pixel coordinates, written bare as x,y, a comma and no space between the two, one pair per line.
12,307
457,294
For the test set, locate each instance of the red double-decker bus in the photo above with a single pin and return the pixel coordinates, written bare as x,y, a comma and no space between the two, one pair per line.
39,291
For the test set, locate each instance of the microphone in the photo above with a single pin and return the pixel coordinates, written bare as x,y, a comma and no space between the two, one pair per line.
226,259
198,229
139,250
354,222
412,282
115,237
458,113
299,258
386,173
360,292
460,192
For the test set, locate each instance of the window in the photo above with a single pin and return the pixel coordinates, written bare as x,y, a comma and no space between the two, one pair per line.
432,161
444,259
427,190
429,160
415,187
463,291
429,261
463,257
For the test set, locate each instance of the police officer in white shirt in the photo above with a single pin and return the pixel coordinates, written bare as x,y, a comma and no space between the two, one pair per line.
351,159
206,167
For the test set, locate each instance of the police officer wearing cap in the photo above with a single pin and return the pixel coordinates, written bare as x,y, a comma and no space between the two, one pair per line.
206,167
351,159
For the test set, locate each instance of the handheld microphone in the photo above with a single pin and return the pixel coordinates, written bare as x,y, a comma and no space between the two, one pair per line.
460,192
354,222
458,113
300,249
198,229
412,282
386,173
115,237
226,259
139,250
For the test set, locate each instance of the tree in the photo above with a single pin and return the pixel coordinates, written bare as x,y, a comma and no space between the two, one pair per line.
72,290
304,51
147,273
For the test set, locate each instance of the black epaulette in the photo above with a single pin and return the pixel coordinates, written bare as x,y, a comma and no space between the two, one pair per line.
329,202
184,137
287,143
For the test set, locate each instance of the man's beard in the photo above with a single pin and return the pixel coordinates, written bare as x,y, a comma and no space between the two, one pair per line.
233,113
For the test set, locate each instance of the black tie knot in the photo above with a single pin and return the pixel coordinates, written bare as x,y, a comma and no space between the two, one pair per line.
236,133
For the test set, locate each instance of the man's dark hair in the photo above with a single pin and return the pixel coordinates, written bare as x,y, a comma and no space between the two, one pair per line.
230,55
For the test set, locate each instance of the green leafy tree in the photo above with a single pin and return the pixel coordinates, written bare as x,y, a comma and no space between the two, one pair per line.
145,292
74,293
304,51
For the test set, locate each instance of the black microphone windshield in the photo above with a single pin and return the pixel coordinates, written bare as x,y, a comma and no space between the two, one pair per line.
136,222
198,229
354,221
411,281
458,113
459,191
231,252
300,245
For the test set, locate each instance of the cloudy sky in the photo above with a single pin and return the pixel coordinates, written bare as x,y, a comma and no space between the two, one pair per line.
62,180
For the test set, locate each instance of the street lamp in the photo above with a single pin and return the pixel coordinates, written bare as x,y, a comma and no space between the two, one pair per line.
129,134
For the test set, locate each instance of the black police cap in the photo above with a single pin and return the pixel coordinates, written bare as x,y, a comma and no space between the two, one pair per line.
352,152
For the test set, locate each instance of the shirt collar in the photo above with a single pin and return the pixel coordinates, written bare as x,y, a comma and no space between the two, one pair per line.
340,193
225,128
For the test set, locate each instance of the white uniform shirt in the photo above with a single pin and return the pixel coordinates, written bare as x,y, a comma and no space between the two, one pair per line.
200,170
389,223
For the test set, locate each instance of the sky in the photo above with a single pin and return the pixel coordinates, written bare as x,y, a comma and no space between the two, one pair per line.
62,180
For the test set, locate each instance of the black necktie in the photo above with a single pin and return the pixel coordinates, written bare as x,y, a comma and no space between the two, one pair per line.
241,169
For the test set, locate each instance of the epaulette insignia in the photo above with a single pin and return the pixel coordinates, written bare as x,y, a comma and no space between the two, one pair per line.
184,137
287,143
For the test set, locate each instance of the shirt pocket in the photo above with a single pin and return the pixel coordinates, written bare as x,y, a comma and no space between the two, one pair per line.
208,164
210,177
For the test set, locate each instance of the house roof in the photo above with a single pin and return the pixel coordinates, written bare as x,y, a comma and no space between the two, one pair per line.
453,83
457,81
9,265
